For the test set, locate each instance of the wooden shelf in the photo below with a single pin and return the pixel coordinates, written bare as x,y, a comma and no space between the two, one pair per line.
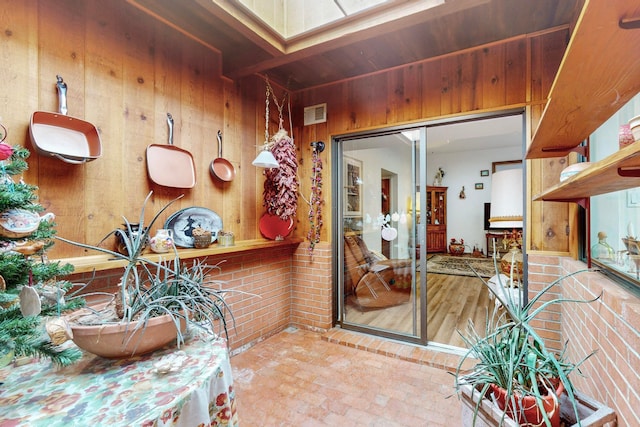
105,262
599,73
619,171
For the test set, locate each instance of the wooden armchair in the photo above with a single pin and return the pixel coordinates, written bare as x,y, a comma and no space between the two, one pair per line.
371,280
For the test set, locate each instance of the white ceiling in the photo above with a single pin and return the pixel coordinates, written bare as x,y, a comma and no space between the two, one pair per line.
486,134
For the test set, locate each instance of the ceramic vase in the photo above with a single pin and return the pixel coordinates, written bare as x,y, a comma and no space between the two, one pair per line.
162,242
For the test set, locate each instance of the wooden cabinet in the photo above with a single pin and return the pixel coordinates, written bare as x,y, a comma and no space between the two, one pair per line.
436,219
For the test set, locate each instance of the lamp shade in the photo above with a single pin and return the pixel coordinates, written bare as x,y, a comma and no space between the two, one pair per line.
265,160
506,199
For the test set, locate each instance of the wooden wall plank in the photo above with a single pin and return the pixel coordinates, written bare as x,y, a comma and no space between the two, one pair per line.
515,71
469,69
432,88
494,76
104,185
19,59
62,186
138,113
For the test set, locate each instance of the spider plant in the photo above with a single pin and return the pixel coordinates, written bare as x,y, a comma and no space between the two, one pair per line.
513,356
149,289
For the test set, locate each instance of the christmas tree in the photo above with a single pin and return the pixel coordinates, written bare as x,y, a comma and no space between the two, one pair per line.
31,293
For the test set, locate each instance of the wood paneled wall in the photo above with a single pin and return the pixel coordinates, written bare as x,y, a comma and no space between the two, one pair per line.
125,71
513,73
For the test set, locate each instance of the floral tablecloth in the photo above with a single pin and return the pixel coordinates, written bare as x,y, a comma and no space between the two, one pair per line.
126,392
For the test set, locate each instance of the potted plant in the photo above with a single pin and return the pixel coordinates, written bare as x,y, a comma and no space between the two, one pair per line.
514,368
165,296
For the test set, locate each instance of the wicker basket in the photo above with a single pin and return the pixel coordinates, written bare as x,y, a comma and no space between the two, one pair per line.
202,241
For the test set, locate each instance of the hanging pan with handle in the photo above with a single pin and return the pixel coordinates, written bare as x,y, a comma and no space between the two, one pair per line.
170,166
220,167
63,137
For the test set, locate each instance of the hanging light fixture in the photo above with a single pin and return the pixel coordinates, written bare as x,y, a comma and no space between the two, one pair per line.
266,159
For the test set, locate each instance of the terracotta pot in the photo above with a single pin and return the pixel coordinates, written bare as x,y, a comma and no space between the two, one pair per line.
526,412
456,249
118,340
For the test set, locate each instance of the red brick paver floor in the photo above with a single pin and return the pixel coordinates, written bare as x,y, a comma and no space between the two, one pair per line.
298,378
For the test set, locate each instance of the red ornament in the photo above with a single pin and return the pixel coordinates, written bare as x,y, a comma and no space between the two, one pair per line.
5,151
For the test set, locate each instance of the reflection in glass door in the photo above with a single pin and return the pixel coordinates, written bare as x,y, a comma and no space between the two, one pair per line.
380,238
385,237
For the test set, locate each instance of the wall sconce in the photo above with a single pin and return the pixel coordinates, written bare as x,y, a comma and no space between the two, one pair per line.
266,159
318,146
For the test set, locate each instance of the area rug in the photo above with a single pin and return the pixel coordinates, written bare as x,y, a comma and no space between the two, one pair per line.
460,265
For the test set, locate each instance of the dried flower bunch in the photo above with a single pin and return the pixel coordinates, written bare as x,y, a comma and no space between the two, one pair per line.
315,204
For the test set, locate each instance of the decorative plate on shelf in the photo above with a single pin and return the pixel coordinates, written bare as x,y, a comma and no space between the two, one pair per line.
184,221
274,228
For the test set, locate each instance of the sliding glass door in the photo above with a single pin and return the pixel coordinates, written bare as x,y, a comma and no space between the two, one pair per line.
380,233
403,195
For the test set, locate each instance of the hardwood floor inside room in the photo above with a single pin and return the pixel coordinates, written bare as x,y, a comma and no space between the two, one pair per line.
451,301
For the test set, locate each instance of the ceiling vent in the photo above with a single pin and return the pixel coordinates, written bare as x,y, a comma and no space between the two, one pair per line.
315,114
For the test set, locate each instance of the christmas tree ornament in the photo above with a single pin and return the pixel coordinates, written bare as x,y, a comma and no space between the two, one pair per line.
58,330
30,301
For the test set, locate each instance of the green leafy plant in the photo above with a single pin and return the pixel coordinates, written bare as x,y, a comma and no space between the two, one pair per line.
149,289
513,356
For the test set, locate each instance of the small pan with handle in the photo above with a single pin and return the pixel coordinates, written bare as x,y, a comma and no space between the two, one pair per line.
170,166
220,167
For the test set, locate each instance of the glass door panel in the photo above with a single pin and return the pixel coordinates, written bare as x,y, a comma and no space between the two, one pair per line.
380,243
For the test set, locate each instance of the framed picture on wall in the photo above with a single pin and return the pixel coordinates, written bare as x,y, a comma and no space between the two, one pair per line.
352,187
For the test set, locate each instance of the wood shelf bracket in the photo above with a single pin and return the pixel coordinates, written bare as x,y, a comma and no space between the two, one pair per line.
629,24
629,172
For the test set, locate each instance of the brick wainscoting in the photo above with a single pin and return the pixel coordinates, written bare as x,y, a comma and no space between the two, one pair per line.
271,289
610,325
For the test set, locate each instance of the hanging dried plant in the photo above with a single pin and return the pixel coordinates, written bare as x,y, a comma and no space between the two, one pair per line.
316,202
281,184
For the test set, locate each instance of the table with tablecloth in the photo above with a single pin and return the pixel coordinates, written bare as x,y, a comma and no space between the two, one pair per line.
124,392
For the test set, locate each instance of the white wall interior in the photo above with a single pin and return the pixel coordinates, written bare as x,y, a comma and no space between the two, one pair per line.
465,217
394,158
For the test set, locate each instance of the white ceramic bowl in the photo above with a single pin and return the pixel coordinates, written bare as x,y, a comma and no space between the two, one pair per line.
634,124
21,222
573,169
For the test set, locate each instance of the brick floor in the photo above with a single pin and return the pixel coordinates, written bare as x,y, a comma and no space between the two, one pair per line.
304,378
